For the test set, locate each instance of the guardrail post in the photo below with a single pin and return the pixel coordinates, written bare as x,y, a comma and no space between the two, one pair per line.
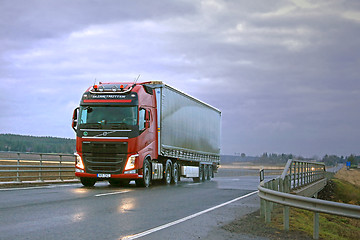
290,173
267,212
312,173
262,175
307,173
286,184
60,167
294,176
298,174
40,168
286,218
17,169
316,226
281,185
302,174
271,204
262,207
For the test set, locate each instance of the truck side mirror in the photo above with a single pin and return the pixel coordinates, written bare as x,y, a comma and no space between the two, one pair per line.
75,118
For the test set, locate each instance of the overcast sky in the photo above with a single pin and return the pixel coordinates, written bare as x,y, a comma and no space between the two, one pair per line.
285,74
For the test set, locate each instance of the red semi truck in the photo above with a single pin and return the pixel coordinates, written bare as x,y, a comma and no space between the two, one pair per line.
144,132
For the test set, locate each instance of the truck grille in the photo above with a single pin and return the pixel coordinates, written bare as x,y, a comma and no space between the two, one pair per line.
104,157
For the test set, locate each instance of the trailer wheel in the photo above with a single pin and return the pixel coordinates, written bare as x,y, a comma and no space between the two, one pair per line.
167,175
175,173
146,180
87,182
206,172
201,172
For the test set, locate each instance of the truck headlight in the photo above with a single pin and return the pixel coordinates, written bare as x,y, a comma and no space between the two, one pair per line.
78,162
130,164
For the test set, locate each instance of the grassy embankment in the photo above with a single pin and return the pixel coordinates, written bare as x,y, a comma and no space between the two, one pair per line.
345,187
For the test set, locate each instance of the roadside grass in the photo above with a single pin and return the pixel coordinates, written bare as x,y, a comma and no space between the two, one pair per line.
346,192
331,227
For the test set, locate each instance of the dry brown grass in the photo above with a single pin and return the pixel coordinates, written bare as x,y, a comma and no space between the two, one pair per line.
352,176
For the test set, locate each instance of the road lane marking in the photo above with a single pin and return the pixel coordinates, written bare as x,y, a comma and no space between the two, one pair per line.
192,184
142,234
112,193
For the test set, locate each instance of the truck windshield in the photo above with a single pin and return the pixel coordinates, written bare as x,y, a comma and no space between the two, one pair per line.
108,115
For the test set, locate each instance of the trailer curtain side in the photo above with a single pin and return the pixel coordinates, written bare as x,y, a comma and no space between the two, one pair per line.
189,128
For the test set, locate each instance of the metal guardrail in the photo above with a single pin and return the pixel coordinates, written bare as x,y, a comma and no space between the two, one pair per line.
301,173
298,174
18,166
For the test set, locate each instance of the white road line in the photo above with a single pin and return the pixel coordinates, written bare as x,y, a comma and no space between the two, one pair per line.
192,184
112,193
139,235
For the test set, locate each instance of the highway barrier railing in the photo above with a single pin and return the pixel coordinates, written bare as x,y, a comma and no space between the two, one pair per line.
20,166
298,175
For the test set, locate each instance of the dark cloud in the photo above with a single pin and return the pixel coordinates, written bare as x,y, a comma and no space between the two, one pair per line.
285,74
22,21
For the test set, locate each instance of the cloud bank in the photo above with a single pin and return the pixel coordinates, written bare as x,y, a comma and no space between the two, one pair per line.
285,74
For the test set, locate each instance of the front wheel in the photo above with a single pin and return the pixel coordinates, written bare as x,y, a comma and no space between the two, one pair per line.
87,182
146,180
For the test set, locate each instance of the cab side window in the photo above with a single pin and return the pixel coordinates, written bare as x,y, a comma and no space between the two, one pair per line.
142,119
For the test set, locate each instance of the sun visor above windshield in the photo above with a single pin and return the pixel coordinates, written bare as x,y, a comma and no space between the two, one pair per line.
111,99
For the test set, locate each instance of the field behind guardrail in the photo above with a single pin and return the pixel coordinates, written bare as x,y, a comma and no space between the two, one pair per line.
18,167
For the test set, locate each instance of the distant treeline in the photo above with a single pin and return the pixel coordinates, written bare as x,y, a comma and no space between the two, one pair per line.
329,160
274,158
20,143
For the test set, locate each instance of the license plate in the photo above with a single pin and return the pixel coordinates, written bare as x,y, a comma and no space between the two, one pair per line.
104,175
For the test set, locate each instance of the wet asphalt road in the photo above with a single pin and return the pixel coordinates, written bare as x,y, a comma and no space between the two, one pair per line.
70,211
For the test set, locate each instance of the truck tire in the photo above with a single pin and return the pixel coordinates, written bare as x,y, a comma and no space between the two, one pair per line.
87,182
175,173
201,172
167,173
146,180
206,172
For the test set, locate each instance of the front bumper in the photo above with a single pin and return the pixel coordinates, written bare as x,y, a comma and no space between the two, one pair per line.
124,176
